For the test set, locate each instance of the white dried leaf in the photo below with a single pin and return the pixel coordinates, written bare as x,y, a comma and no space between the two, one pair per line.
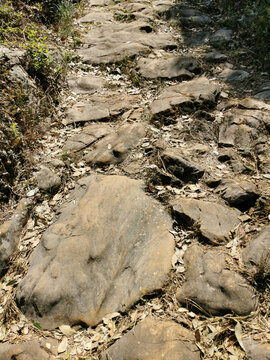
67,330
62,347
238,334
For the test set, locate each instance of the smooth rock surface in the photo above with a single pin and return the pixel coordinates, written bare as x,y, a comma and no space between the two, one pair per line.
97,16
233,75
180,67
257,252
88,136
256,350
113,148
10,232
85,84
180,166
215,221
115,42
110,246
23,351
101,107
155,339
194,93
210,285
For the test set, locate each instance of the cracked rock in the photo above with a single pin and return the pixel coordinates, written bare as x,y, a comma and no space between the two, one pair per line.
210,285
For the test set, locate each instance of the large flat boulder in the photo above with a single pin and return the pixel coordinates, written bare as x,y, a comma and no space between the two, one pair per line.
114,148
171,67
155,339
114,42
212,286
214,221
188,95
257,252
101,108
110,246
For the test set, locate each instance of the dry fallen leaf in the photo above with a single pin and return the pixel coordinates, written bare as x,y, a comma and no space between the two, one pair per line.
67,330
63,346
238,334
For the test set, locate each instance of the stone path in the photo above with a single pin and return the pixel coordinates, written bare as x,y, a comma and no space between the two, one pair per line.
147,222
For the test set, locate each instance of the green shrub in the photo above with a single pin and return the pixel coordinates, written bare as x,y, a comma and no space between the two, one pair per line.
251,18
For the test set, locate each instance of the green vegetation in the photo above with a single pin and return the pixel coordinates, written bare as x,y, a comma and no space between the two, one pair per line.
251,19
30,90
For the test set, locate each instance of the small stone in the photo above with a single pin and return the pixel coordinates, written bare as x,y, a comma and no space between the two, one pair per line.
257,252
214,57
225,155
238,194
181,167
221,37
233,75
47,180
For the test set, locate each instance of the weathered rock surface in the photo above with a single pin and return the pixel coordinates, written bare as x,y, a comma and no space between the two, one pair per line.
97,16
215,57
215,221
181,167
238,194
10,232
114,42
88,136
233,75
86,84
24,351
187,15
109,247
155,339
263,92
242,128
113,148
256,350
210,285
257,252
194,93
172,67
221,37
47,180
101,107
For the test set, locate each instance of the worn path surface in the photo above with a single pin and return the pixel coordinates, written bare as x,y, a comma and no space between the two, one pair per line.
148,223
